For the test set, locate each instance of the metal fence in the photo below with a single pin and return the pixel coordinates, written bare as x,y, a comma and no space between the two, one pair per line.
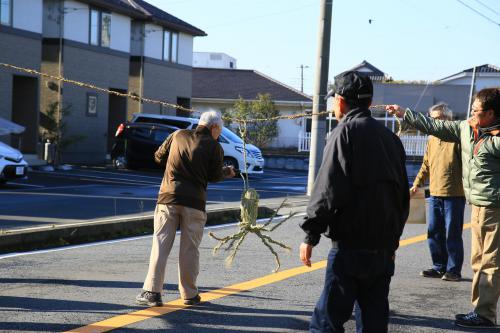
414,144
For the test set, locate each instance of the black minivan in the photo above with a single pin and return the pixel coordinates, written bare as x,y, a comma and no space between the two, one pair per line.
136,143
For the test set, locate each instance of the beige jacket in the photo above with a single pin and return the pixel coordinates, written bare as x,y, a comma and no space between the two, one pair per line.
443,167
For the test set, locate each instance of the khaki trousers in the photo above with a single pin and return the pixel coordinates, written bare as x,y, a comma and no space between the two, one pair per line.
485,260
167,219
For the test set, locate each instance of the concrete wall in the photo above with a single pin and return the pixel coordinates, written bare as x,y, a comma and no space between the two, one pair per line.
153,43
26,54
213,60
27,15
165,82
120,33
103,70
185,49
76,21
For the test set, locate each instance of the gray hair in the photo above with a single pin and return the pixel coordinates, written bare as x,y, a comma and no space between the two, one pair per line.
443,108
210,118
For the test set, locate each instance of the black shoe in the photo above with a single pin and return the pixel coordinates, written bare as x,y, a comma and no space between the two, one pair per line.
148,298
473,320
449,276
193,301
431,273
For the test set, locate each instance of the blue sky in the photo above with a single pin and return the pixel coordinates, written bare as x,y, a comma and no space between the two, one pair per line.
407,39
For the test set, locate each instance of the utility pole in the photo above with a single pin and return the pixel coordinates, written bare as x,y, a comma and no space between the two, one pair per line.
302,77
318,126
472,85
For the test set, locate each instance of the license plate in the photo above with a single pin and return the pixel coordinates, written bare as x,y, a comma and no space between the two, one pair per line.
19,171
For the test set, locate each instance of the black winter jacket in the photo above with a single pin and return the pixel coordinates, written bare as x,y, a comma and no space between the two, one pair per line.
361,195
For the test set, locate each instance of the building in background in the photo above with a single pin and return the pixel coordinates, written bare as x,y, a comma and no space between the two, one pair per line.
127,46
213,60
219,89
486,76
21,45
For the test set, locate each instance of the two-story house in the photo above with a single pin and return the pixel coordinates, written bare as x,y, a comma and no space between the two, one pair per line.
128,46
21,45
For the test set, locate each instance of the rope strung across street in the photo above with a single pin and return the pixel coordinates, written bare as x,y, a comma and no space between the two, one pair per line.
166,104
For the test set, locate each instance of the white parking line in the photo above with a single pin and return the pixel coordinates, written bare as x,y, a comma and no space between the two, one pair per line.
27,185
80,196
71,247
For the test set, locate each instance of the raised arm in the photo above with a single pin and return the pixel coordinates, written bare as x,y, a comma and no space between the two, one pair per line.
446,130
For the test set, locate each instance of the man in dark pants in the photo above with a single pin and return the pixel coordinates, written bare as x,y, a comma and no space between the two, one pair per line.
360,200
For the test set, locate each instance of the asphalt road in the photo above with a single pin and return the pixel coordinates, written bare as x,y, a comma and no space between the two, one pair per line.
90,193
93,193
61,290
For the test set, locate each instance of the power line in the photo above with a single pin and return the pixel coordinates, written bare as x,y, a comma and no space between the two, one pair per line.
486,6
479,13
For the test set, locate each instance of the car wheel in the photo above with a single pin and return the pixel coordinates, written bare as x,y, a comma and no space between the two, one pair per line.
229,161
119,162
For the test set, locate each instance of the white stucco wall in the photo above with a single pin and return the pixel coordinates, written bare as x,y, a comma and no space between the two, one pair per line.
120,32
27,15
185,49
153,43
76,21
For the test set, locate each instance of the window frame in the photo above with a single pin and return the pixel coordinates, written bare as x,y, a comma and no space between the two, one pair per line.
99,31
10,23
171,51
166,31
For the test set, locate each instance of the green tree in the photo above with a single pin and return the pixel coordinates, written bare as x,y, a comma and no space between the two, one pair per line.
262,132
54,128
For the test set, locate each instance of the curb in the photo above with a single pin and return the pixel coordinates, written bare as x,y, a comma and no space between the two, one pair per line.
85,232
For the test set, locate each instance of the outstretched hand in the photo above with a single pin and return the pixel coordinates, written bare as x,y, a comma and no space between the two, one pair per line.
395,110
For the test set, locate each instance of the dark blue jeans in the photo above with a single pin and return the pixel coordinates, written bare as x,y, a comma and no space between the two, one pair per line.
446,222
355,275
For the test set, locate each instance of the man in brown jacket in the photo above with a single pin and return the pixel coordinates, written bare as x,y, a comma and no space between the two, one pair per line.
192,159
443,167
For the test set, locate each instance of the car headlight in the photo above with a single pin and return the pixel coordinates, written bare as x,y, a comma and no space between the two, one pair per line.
248,152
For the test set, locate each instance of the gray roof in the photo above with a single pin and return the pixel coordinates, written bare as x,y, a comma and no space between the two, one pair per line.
486,68
375,74
141,10
230,84
163,18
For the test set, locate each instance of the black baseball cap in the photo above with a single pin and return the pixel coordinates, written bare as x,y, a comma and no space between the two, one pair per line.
352,85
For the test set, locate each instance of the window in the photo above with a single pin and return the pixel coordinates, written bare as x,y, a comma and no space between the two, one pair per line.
175,42
5,12
166,45
94,27
106,29
170,45
100,28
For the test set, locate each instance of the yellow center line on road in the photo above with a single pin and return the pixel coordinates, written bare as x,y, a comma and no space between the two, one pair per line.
137,316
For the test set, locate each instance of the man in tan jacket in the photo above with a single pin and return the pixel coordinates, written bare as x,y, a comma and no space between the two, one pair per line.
192,158
443,167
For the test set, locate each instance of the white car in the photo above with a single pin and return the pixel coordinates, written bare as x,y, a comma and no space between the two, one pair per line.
230,142
12,164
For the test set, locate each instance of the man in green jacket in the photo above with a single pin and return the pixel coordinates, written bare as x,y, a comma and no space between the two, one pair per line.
479,138
443,167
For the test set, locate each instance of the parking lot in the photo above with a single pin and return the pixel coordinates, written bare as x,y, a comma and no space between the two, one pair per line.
91,193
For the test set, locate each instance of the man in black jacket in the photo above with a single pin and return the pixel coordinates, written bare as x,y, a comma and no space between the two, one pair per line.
360,200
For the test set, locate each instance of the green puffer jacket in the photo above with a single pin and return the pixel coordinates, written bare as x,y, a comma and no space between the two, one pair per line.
480,155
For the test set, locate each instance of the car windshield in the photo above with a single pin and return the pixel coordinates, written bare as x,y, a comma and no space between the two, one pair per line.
231,136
